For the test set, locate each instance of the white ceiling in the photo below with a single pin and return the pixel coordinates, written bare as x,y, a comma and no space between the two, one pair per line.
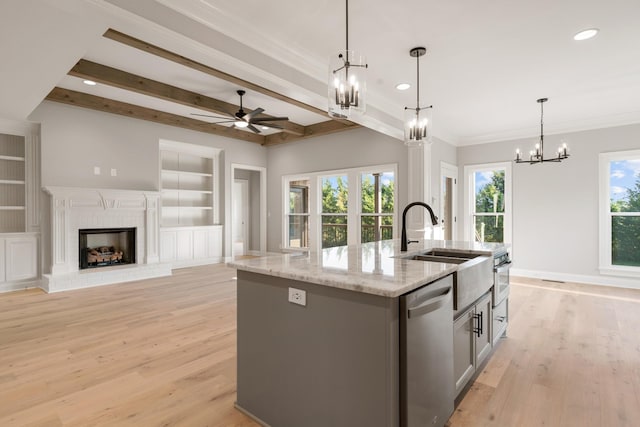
486,65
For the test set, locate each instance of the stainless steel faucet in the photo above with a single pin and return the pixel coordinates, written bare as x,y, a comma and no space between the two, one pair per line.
404,240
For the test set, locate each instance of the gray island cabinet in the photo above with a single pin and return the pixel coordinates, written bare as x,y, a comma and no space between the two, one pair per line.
320,335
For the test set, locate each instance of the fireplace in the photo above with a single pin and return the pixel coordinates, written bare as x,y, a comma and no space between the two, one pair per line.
103,247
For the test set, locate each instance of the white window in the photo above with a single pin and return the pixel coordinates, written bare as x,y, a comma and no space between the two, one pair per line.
344,207
488,202
620,213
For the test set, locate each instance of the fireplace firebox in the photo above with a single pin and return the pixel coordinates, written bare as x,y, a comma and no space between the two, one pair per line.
103,247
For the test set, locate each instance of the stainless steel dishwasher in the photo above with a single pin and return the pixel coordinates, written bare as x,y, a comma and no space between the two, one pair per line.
426,355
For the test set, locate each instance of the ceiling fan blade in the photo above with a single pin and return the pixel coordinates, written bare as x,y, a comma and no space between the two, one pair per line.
255,112
268,119
253,128
211,116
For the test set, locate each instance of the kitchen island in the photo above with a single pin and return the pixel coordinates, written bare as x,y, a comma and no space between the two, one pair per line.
320,334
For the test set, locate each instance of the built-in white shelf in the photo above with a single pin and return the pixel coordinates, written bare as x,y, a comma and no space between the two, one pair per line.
168,190
187,177
13,180
186,173
13,158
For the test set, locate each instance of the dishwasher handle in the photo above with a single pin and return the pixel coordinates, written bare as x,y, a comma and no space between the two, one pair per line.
430,305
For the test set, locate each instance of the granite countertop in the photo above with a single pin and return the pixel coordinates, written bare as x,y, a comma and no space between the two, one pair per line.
377,268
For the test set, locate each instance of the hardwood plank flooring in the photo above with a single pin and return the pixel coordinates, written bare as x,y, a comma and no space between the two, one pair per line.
162,352
159,352
571,358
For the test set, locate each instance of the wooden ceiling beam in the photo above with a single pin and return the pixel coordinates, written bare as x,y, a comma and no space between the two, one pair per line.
132,82
318,129
106,105
168,55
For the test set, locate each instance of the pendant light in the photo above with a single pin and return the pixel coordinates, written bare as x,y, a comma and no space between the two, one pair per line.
417,121
537,154
347,80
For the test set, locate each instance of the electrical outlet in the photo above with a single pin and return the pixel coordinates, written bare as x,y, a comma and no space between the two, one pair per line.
96,170
114,172
298,296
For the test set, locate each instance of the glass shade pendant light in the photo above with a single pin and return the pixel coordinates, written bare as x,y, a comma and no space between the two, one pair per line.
537,154
347,80
417,121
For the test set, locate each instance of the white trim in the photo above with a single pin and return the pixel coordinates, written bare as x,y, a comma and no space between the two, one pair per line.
619,282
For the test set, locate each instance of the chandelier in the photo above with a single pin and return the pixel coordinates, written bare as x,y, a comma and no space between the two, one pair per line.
347,80
418,121
537,154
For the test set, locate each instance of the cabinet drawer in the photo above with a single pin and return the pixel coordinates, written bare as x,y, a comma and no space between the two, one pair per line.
500,319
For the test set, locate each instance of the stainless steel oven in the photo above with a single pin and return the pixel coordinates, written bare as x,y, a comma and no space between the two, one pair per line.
501,266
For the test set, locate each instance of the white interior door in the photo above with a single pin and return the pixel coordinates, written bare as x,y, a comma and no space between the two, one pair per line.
240,216
448,205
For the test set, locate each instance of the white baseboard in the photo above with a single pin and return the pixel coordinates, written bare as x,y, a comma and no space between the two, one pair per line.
20,286
195,262
620,282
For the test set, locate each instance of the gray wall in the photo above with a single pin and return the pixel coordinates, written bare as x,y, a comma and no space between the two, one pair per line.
74,140
354,148
555,206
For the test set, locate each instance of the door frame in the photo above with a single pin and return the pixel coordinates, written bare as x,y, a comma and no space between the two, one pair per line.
245,213
263,206
450,171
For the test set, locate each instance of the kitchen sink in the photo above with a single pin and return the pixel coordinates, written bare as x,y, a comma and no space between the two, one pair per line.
472,279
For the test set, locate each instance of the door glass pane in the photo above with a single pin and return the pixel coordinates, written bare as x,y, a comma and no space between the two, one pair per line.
382,200
298,197
489,191
298,231
334,230
489,228
447,207
335,193
369,224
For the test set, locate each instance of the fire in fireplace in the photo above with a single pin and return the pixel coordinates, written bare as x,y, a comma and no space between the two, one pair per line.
102,247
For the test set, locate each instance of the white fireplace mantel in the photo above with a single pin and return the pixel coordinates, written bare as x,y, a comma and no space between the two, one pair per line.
74,208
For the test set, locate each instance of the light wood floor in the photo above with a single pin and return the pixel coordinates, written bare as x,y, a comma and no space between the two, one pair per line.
161,352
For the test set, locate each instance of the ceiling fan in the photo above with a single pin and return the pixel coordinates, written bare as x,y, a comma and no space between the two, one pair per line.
242,119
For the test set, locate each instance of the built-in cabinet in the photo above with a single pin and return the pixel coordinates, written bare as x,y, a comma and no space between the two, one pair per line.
185,246
190,232
19,205
472,340
18,261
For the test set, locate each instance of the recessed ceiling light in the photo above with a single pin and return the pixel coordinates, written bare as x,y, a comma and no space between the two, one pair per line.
89,82
586,34
403,86
265,127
